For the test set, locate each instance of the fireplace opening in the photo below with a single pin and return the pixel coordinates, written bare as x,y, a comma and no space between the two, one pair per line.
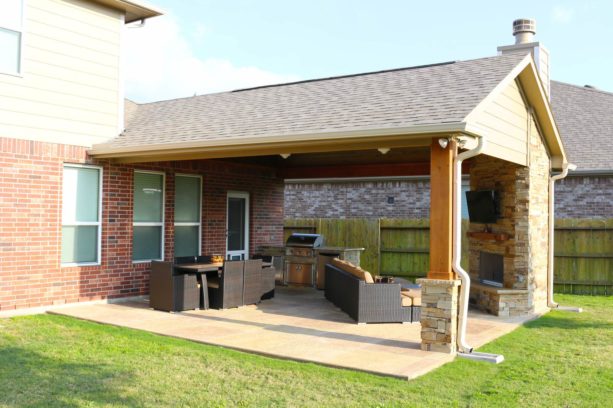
491,269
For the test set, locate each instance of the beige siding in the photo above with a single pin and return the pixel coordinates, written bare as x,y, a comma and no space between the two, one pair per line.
504,122
69,88
543,65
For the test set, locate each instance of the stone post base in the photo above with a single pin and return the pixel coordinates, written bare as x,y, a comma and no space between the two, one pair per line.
439,315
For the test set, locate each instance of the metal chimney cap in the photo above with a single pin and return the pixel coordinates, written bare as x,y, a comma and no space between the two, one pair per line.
524,30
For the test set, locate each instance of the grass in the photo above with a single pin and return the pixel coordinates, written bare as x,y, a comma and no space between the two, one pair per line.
560,360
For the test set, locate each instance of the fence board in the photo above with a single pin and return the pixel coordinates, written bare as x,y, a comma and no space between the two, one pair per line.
400,247
583,256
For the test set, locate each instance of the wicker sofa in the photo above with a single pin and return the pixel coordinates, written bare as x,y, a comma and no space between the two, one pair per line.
354,292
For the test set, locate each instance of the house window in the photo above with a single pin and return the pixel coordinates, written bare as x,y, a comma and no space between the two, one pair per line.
148,223
11,22
81,214
188,204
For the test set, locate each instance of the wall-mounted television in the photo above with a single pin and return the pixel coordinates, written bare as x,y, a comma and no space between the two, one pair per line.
483,206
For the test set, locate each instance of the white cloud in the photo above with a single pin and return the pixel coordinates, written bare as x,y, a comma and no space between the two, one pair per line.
160,64
562,14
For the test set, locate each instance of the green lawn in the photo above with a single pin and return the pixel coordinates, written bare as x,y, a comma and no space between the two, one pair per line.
562,359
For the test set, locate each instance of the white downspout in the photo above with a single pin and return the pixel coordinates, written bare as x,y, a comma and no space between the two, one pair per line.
464,349
550,303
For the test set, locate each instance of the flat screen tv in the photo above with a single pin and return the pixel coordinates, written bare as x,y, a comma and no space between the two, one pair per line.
482,206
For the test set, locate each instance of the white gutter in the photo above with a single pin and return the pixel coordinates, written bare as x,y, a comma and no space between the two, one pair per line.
464,349
550,303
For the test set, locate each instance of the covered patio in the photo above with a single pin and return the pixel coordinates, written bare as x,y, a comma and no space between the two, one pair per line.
299,324
209,171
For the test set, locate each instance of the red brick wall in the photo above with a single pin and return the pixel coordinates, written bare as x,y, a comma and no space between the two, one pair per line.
30,222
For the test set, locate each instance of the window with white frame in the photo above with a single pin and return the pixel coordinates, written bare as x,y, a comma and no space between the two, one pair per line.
11,33
188,204
148,222
81,214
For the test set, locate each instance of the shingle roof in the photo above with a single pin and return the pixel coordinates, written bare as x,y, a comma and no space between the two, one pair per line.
425,95
585,120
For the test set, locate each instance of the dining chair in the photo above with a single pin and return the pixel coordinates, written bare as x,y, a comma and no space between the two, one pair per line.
252,281
227,292
170,292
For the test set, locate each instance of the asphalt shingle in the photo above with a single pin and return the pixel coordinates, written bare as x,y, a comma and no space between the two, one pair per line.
427,95
585,120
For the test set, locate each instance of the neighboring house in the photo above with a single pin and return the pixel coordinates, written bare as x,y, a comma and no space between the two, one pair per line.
86,205
585,118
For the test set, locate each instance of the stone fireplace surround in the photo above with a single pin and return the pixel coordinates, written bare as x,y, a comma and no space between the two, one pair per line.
520,236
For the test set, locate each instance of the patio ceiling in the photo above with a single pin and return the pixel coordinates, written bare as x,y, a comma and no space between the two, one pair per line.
402,161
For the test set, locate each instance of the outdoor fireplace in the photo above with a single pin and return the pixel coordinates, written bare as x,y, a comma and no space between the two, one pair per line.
491,269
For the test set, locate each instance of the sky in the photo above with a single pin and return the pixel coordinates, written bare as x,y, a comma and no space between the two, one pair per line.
208,46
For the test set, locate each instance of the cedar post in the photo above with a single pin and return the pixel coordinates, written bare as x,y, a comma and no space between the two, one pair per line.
441,210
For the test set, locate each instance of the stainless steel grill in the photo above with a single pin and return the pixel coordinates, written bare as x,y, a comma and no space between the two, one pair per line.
304,240
301,258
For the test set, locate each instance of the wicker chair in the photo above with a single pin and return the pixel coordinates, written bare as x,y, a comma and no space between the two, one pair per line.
365,302
171,292
227,291
267,287
269,274
184,260
252,282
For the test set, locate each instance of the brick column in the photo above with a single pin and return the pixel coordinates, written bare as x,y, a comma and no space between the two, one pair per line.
439,314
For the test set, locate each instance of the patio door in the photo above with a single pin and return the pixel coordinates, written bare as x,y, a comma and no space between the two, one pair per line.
237,233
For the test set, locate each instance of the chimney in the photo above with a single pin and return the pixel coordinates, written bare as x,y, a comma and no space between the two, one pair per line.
524,30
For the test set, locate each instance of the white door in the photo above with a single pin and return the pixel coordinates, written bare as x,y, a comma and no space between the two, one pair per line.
237,228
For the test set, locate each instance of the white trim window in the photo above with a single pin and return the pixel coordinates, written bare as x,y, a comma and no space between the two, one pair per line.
188,212
11,36
81,215
148,217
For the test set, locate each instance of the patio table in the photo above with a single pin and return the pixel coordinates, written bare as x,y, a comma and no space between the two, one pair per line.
201,269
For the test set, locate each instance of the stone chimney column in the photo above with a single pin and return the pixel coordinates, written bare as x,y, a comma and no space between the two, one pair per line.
524,30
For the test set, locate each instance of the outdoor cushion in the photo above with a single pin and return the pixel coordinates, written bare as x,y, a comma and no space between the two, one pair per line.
406,300
356,271
413,293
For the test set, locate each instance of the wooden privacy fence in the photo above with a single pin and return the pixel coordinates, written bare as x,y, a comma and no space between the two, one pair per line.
584,256
400,247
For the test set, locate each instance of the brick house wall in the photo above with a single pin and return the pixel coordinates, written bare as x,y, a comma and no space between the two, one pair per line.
411,199
585,197
30,222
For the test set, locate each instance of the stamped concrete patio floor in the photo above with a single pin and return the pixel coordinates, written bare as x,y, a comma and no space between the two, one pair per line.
299,324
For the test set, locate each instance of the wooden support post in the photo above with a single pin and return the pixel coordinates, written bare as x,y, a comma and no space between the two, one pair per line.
441,210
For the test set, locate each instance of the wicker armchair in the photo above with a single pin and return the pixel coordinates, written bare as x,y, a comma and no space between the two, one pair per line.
227,291
252,282
365,302
269,275
171,292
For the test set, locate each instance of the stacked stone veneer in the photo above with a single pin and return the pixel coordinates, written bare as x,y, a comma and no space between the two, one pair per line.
524,193
439,314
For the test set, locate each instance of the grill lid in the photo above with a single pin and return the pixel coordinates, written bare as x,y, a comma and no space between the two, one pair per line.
304,240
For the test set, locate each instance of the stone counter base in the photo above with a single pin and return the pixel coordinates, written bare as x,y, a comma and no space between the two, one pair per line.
500,301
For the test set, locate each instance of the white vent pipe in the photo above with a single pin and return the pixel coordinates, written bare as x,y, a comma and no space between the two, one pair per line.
465,350
550,303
